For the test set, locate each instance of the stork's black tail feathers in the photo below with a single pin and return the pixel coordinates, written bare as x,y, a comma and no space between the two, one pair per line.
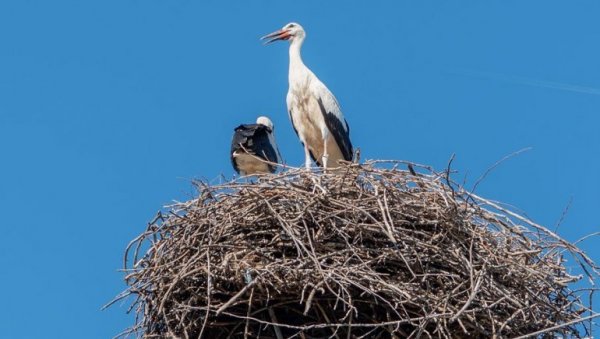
340,131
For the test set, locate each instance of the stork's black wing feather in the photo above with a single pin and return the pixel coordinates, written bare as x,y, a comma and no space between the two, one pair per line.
339,129
240,137
253,139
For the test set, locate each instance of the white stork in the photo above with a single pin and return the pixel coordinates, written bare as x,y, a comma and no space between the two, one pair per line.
315,113
253,148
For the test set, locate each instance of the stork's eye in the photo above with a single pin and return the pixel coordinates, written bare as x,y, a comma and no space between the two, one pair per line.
291,25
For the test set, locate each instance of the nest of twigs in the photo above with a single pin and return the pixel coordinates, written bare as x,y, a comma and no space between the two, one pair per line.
369,250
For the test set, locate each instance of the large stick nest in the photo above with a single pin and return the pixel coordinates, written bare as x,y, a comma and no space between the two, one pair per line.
364,251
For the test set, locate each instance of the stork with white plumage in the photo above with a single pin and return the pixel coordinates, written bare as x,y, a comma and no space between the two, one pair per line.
313,110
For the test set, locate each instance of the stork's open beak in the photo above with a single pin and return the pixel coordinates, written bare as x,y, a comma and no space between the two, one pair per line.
277,35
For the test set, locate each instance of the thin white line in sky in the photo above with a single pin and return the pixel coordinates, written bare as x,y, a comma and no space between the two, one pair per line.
529,81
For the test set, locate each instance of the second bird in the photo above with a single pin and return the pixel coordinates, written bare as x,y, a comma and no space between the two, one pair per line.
253,148
315,113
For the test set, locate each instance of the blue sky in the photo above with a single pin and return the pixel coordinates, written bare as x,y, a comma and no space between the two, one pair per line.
109,108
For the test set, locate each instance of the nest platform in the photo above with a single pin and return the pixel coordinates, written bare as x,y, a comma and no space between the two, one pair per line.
367,251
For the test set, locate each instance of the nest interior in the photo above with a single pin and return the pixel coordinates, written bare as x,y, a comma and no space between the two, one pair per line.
370,250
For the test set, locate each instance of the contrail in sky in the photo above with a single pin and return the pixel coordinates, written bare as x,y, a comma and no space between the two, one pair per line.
528,81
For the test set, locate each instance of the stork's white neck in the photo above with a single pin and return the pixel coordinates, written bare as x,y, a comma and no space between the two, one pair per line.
297,67
295,47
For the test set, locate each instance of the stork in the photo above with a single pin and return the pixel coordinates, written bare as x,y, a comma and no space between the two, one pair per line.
253,148
315,113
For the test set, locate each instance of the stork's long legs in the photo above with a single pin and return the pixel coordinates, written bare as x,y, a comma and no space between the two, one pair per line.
325,153
307,160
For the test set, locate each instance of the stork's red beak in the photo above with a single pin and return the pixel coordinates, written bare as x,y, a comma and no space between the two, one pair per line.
277,35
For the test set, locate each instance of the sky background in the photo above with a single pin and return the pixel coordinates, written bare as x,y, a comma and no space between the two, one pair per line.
109,108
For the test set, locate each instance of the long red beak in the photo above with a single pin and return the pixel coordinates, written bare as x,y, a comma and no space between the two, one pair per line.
277,35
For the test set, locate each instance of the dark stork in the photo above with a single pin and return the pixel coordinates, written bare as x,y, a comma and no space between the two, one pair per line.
253,148
315,113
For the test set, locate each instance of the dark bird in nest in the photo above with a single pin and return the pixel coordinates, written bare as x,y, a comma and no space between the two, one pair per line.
253,148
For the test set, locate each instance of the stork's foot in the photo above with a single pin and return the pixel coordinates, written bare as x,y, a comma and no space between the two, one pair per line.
316,180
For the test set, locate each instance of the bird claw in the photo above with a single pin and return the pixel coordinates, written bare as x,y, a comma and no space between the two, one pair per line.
317,185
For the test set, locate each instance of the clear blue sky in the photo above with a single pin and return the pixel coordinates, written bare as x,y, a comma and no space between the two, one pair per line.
109,108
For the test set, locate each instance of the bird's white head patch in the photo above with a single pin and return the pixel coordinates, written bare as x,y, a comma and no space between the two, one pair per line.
265,121
294,29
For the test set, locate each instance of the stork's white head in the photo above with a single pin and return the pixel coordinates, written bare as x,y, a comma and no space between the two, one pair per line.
292,32
265,121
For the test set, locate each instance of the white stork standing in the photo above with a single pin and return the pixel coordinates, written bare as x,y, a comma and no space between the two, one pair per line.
315,113
253,148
